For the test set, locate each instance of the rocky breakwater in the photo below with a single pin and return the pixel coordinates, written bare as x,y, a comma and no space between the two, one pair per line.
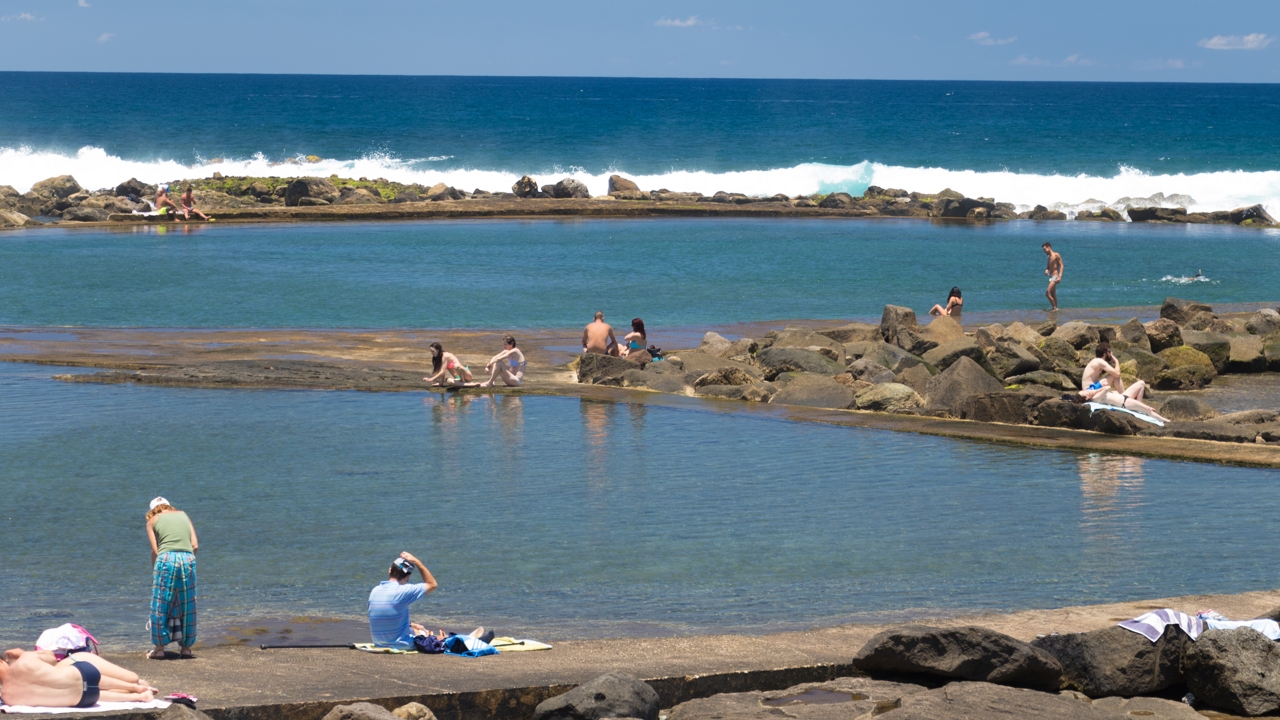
1014,375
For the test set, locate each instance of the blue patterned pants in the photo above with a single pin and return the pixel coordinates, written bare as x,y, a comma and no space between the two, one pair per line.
173,599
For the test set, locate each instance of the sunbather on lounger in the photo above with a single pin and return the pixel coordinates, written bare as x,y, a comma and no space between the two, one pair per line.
81,680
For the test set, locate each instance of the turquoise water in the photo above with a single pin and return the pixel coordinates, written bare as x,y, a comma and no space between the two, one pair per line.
559,518
554,274
1023,142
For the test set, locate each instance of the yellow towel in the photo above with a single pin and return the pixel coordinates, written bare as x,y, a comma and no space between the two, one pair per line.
371,648
508,644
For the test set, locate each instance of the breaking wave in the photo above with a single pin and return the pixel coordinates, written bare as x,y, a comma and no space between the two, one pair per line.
93,167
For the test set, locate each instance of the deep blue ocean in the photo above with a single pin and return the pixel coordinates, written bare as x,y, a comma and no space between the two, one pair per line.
1025,143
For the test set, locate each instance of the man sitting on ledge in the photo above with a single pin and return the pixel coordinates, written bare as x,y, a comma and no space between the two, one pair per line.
389,603
38,679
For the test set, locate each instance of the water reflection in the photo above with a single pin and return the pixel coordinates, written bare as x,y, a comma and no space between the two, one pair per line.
596,419
1111,494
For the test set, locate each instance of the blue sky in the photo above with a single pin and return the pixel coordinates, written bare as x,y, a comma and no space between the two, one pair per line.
1173,41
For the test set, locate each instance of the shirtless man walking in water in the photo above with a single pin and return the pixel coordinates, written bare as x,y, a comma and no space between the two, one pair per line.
1054,271
598,338
81,680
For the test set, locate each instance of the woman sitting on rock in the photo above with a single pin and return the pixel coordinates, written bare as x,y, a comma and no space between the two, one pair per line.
445,364
955,304
636,339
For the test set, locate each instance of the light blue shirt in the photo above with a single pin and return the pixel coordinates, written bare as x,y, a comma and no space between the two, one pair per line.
389,613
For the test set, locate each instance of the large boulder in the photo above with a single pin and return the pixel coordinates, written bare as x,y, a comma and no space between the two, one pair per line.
803,337
942,329
1010,358
916,377
774,361
963,378
838,201
1252,215
1057,355
1234,670
1146,364
358,196
360,711
596,369
136,188
1249,417
621,185
86,214
725,376
913,341
1135,334
1187,377
1216,431
1059,413
1077,334
986,701
12,219
892,357
1183,356
870,371
946,354
1111,422
1116,661
570,188
61,187
813,390
1216,347
1246,355
964,653
1046,379
613,695
894,317
1023,334
696,364
658,382
310,187
714,343
414,711
1200,321
849,697
1187,408
888,397
854,332
1264,322
526,187
1180,311
1163,334
1002,407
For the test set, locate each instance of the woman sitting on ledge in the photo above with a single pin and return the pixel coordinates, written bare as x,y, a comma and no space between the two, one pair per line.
445,364
955,304
508,365
636,339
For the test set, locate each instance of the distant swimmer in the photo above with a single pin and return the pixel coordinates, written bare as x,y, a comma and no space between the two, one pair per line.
1054,270
598,338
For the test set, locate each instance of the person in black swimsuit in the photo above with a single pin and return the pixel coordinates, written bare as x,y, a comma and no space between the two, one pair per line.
80,681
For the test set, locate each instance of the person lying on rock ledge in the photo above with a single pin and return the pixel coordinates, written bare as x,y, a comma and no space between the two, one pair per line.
1110,390
80,681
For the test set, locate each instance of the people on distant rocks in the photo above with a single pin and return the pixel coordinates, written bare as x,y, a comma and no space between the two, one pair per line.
636,339
189,205
507,366
165,204
1101,383
389,603
173,590
80,680
446,368
598,338
1054,270
955,303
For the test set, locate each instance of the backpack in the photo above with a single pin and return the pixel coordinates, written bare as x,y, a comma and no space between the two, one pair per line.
429,644
656,352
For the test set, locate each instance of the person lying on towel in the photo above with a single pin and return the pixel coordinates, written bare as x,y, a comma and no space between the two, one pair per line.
81,680
1102,384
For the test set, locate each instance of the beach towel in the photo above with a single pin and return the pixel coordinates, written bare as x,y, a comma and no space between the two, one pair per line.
1215,621
1095,407
467,646
1152,624
509,644
371,648
100,707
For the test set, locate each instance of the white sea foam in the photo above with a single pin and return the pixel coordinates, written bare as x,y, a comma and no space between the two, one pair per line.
1176,280
1222,190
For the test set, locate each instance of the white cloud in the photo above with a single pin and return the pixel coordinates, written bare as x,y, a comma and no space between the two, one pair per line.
984,38
677,22
83,3
1255,41
20,17
1068,61
1161,64
105,37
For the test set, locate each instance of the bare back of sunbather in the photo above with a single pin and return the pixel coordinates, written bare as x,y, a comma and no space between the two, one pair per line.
39,679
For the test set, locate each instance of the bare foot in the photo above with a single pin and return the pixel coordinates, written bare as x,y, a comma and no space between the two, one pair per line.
486,383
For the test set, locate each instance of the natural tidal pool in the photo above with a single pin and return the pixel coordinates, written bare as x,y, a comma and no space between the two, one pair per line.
559,517
554,274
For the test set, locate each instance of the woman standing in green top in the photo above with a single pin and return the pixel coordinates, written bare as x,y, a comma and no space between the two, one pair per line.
173,593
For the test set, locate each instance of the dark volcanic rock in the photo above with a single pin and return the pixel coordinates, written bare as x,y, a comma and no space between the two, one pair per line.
1186,408
1134,333
659,382
359,711
1216,347
1059,413
570,188
613,695
61,187
1254,215
1045,378
964,378
86,214
1111,422
946,354
1193,430
1057,355
966,653
619,184
888,397
870,371
1116,661
840,200
1187,377
774,361
1247,355
1180,311
894,317
1010,359
525,187
1264,322
135,187
1002,407
813,390
1234,670
595,369
310,187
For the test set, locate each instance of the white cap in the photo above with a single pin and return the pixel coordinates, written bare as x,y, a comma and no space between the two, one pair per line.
157,500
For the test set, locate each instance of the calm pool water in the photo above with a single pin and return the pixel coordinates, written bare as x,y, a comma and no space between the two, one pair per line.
557,517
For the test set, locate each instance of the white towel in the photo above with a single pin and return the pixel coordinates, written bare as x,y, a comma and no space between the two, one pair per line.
1152,624
1215,621
100,707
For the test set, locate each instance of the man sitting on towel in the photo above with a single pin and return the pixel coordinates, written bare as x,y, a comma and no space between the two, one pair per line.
389,603
80,681
1110,390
